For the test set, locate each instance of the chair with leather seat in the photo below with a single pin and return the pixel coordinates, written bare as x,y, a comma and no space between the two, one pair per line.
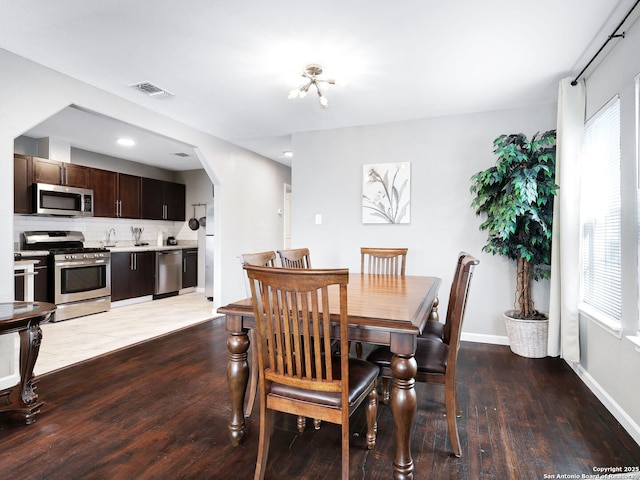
262,259
381,261
437,359
298,372
298,258
434,328
295,258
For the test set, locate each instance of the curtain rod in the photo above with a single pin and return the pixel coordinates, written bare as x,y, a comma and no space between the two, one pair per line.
612,36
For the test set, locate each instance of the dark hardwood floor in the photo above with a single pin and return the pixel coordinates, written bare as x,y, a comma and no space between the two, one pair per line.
159,410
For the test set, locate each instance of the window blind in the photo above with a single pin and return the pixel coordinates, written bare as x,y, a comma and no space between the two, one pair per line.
600,212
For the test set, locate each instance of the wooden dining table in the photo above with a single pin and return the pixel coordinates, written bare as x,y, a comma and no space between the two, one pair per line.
382,309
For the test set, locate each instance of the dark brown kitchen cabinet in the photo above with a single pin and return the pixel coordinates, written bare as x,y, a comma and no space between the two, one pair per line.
161,200
189,267
40,281
132,274
22,180
61,173
115,194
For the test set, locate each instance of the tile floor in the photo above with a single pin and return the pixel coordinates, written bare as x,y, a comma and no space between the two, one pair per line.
77,339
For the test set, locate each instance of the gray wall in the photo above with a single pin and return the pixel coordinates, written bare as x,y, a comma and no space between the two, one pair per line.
444,153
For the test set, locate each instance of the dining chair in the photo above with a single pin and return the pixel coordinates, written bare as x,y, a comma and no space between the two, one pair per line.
298,372
295,258
381,261
434,328
437,359
298,258
261,259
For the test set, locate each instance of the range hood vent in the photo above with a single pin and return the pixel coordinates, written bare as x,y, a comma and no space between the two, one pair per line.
151,89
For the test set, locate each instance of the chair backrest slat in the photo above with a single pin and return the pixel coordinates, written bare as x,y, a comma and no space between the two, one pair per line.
383,261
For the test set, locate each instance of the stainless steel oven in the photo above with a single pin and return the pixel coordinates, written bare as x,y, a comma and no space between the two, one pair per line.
81,283
80,277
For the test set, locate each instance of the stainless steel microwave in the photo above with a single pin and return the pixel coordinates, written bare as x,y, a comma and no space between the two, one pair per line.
62,200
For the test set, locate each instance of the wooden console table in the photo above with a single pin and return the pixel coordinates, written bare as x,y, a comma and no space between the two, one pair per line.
24,318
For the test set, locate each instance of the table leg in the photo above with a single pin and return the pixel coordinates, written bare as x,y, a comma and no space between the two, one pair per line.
30,340
404,409
237,377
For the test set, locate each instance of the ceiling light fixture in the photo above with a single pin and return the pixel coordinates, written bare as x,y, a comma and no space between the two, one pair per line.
287,153
311,73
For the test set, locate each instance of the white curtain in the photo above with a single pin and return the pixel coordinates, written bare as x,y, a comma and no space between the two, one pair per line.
565,254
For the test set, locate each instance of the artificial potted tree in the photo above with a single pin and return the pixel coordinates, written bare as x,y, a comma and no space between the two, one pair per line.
516,196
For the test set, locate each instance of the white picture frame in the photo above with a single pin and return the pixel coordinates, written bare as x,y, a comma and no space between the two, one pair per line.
386,193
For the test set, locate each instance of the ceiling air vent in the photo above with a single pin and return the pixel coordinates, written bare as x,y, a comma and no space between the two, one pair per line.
181,154
151,89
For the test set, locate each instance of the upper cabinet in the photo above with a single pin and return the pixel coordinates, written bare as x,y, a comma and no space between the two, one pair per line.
61,173
162,200
115,194
22,179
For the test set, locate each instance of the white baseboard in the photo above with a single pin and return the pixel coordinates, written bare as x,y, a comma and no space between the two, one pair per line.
483,338
610,404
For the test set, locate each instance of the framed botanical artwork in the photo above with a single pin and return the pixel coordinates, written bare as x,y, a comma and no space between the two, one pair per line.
386,193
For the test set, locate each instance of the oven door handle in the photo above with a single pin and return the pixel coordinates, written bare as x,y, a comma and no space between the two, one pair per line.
79,263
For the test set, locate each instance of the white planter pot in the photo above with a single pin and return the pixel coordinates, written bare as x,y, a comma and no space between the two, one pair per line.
527,338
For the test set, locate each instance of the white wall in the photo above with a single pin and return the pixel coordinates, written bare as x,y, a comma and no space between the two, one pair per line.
30,93
611,363
444,153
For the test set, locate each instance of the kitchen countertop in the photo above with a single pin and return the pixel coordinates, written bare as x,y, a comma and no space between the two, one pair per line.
33,253
123,248
145,248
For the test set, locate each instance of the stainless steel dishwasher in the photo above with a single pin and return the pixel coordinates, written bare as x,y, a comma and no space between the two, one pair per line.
168,273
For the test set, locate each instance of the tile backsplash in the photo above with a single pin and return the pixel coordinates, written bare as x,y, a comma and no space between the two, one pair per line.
95,229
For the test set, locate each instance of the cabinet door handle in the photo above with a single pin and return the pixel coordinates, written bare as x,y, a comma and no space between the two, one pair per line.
184,265
131,261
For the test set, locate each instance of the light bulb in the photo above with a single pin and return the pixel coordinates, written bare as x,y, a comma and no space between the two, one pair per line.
302,94
323,102
295,93
323,86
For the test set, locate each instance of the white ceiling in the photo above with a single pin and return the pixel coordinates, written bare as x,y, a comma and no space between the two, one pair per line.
230,64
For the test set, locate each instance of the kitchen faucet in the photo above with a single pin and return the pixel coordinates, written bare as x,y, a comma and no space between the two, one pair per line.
109,244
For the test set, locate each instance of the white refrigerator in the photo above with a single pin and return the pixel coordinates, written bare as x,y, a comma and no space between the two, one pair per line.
208,253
